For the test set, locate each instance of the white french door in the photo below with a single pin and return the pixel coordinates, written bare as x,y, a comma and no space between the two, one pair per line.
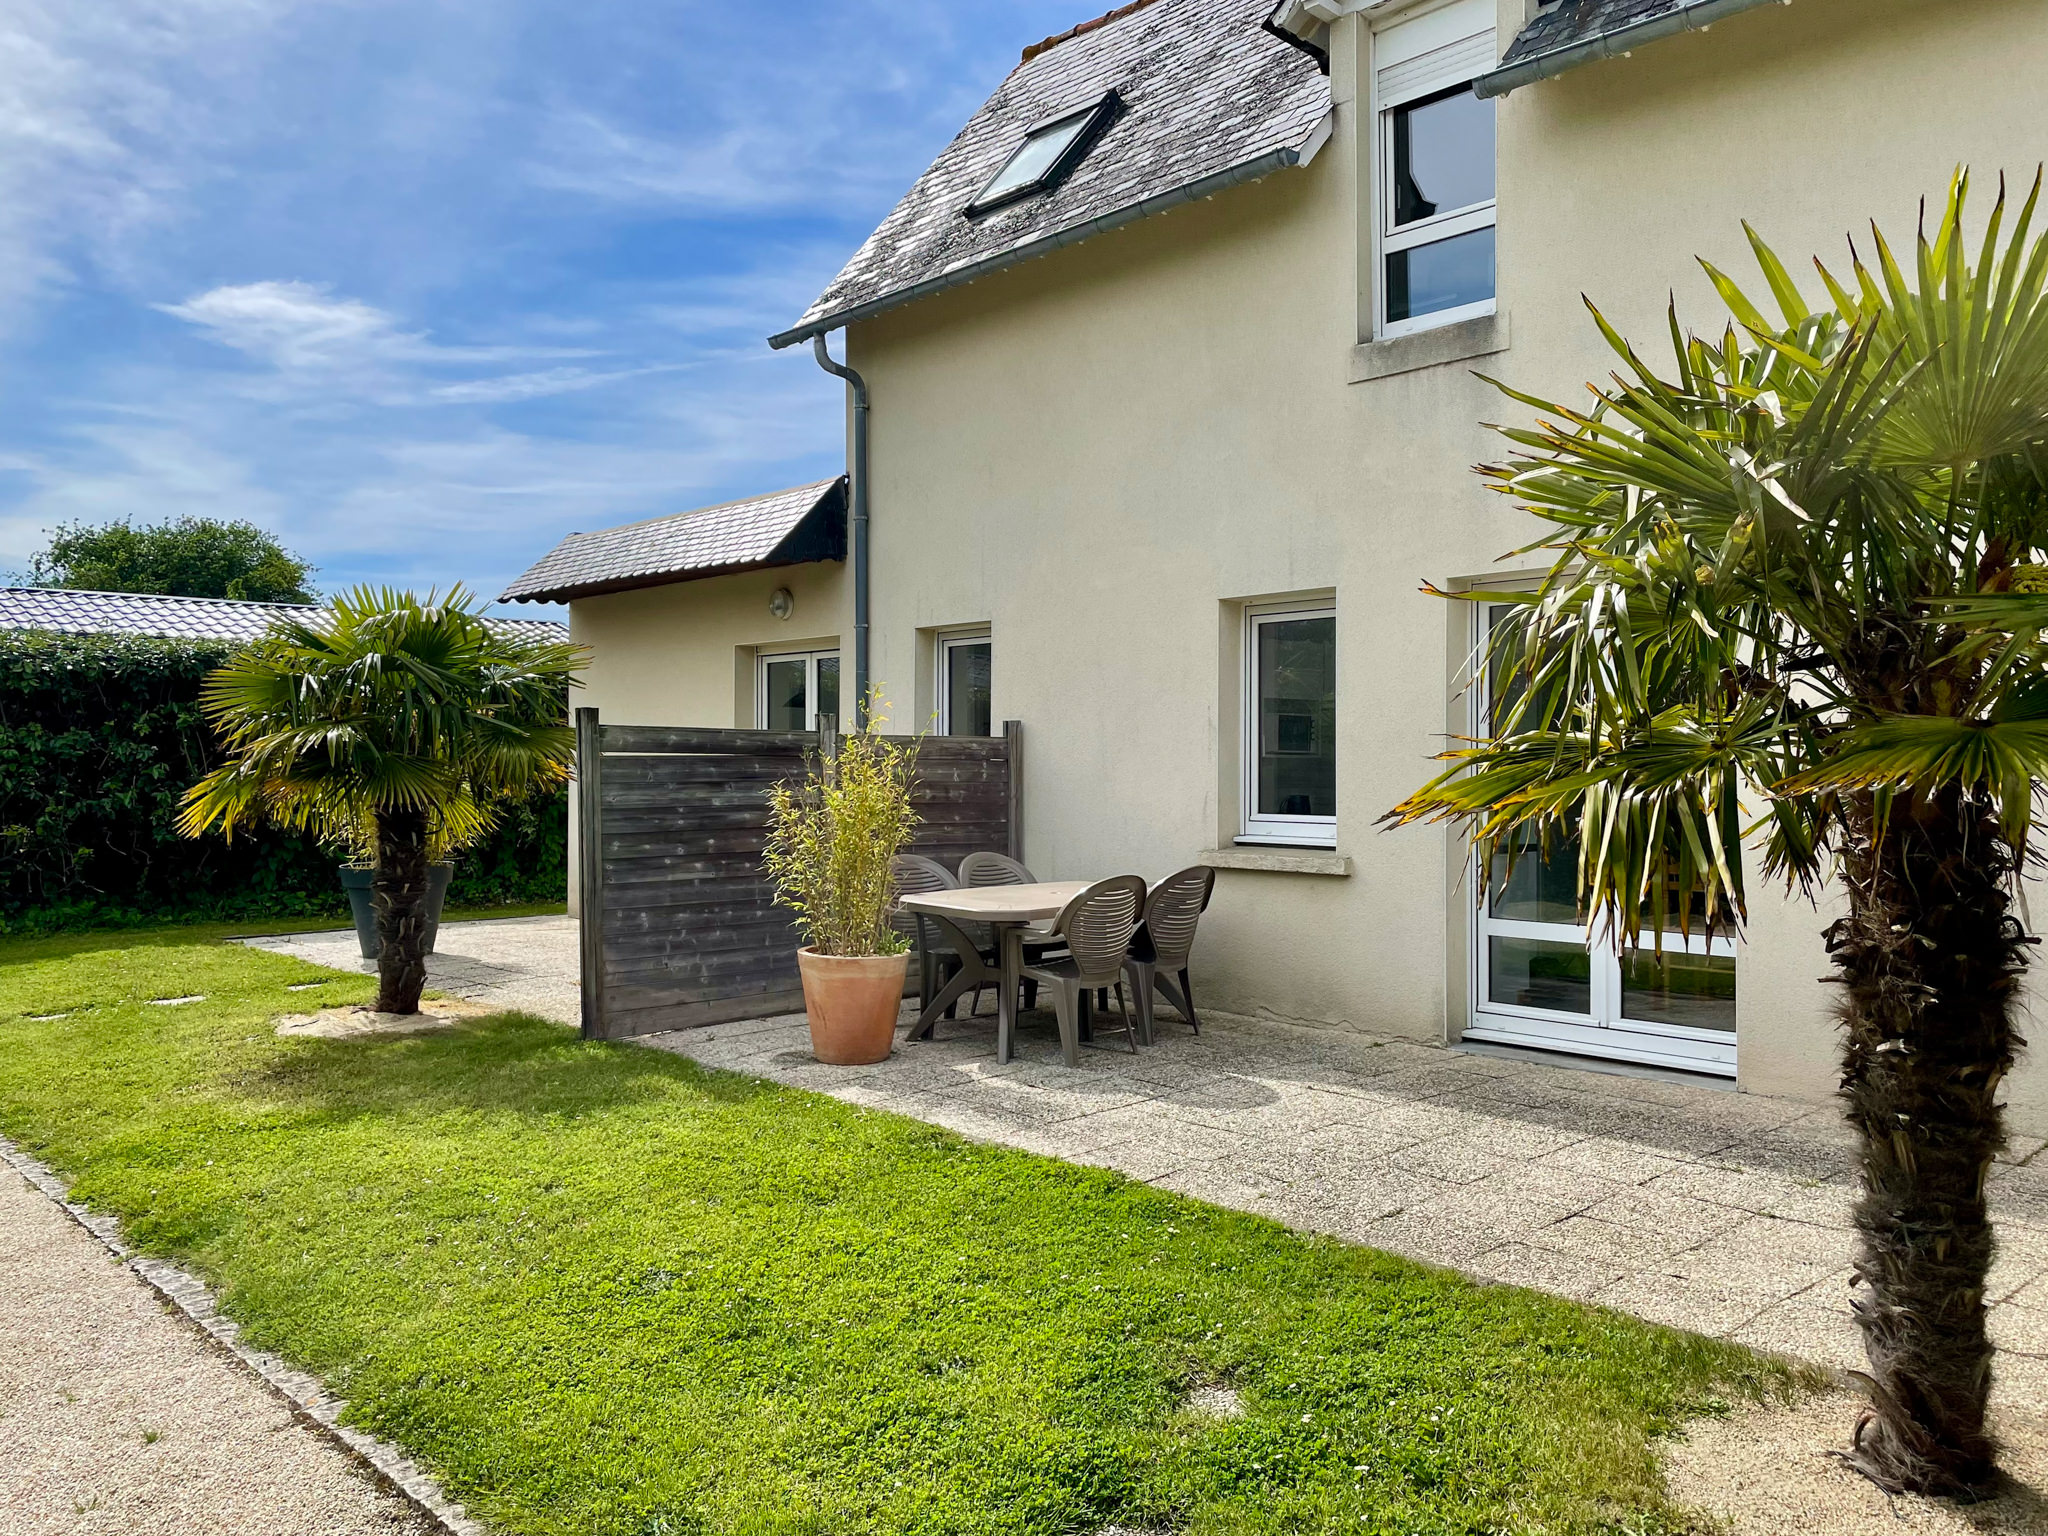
794,688
1541,977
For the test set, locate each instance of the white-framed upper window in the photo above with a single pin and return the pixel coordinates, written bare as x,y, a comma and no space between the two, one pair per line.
1290,724
1435,160
793,688
966,698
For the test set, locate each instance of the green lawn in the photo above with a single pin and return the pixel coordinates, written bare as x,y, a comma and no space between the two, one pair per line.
599,1289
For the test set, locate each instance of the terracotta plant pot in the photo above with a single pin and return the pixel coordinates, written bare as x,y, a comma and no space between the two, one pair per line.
852,1001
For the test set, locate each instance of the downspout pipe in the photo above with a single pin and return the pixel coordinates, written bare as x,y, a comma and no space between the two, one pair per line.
857,498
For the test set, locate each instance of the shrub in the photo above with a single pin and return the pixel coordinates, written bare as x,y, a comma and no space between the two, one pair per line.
100,735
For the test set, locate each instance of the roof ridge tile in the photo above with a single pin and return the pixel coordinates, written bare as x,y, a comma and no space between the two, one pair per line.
1046,44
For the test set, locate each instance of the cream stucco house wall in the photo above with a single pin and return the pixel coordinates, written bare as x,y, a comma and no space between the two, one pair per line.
1110,461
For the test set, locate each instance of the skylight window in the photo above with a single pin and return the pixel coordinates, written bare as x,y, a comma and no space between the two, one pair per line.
1047,156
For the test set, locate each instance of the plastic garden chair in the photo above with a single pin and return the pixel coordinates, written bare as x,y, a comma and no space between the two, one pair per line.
1163,942
1097,926
985,869
913,874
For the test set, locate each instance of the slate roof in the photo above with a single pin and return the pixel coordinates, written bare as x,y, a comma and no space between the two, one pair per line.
172,618
1578,31
792,527
1210,97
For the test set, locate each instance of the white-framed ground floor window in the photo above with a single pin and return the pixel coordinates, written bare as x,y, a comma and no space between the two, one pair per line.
793,688
1290,724
966,684
1541,978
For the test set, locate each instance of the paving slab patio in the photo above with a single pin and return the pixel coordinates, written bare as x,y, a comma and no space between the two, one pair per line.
1686,1204
1723,1213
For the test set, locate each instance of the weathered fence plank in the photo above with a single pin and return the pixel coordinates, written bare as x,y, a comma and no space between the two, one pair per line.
679,925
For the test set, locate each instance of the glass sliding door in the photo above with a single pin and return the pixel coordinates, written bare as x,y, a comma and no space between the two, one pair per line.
795,688
1542,978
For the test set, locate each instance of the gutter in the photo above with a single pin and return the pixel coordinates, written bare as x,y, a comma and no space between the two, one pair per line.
857,499
1694,17
641,583
967,272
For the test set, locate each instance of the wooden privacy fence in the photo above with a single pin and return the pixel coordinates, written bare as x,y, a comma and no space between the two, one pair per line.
678,921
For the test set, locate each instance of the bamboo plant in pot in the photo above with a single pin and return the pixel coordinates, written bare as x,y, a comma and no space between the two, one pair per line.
832,838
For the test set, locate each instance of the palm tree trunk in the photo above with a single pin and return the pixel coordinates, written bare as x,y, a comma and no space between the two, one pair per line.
398,894
1930,955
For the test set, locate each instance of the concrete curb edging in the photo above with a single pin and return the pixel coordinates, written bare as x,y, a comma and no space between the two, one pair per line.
310,1402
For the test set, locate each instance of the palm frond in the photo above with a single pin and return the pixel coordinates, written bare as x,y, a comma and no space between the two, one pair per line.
1802,570
384,700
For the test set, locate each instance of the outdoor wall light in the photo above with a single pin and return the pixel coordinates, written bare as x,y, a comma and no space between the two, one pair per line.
781,603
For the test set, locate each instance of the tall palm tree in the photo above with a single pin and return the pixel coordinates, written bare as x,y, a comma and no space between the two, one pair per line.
398,724
1795,596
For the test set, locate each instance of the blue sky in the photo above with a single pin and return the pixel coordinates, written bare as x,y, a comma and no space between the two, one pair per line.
422,285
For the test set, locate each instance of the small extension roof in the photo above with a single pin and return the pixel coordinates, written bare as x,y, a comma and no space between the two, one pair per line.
792,527
1207,96
1574,32
171,618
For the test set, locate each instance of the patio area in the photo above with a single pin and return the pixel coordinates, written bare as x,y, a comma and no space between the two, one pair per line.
1723,1213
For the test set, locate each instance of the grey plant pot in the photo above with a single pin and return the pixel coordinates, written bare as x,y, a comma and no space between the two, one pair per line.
356,879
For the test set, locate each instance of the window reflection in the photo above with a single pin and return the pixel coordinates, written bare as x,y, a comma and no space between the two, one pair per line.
1543,887
828,686
784,684
1676,988
1444,274
1297,678
1539,973
969,703
1443,155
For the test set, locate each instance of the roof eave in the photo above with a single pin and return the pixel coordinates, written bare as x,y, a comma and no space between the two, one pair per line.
639,583
1695,17
818,536
1284,158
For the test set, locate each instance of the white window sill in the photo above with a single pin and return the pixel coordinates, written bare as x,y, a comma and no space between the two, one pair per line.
1454,343
1278,861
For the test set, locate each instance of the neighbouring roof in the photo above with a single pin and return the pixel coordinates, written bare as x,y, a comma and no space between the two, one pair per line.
1575,32
1210,97
792,527
172,618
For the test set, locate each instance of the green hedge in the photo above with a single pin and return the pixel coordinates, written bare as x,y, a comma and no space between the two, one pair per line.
100,735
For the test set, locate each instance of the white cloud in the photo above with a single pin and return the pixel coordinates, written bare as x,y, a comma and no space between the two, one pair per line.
738,169
295,325
421,497
345,348
308,261
105,117
534,386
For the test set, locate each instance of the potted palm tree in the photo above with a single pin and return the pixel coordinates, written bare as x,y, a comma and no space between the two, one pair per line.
398,722
358,873
833,836
1802,568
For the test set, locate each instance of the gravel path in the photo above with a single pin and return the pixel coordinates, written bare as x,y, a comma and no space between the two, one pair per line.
118,1419
524,963
1767,1474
